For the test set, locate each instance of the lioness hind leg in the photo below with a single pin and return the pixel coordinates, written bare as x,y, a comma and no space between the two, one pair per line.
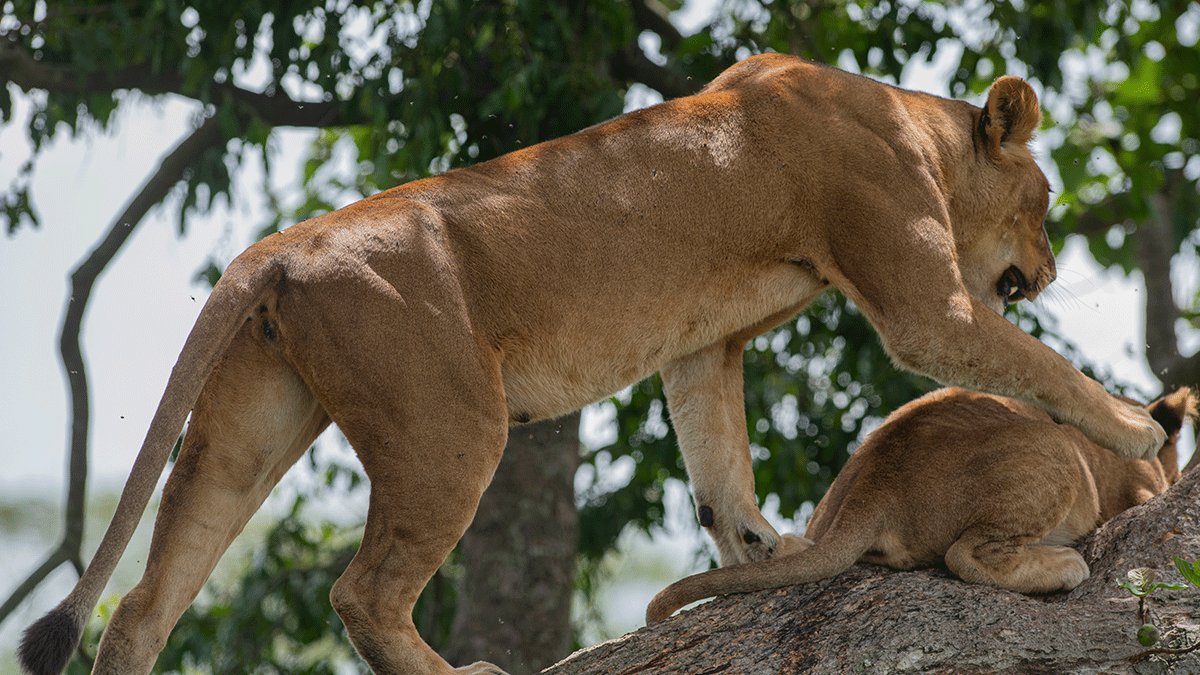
429,445
429,454
253,420
1016,563
420,399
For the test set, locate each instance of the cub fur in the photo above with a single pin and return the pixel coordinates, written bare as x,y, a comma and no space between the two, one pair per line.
426,319
989,485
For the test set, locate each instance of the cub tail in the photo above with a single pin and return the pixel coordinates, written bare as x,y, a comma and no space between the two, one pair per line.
849,536
47,645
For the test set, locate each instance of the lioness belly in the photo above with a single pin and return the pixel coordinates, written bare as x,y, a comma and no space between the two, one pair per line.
596,351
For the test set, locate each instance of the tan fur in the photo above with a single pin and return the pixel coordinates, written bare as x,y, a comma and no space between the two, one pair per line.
989,485
426,319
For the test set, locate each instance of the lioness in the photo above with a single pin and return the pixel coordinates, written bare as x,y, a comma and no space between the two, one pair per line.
426,319
990,485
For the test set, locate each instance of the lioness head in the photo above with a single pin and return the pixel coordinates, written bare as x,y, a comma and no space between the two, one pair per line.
1000,202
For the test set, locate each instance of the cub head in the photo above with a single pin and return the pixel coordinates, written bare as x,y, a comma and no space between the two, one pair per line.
1000,199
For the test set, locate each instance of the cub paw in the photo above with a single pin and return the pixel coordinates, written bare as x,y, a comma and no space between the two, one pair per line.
791,544
1074,571
481,668
758,544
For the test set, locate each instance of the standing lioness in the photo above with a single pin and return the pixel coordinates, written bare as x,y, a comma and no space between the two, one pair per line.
426,319
990,486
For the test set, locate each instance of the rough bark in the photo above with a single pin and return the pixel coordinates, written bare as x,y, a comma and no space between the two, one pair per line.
871,619
514,607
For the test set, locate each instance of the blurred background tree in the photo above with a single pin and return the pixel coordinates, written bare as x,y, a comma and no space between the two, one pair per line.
405,90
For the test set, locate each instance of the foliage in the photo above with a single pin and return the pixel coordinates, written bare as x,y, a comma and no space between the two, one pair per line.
1136,127
1140,582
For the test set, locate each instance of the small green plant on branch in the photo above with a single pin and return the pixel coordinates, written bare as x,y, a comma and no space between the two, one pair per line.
1142,582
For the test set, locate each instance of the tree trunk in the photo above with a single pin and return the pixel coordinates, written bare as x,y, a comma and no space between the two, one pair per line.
871,619
514,606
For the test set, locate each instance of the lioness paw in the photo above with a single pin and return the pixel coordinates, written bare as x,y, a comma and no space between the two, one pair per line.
748,538
758,544
1143,436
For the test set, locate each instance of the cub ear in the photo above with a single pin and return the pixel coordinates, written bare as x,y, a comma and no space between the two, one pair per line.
1172,410
1010,115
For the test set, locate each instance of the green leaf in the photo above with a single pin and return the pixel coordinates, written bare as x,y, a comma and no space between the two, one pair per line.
1189,570
1133,588
209,274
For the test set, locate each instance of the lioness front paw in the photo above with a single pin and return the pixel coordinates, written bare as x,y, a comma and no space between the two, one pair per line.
741,536
1139,436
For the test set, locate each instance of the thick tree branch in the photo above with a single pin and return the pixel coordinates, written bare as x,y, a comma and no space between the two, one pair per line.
171,170
651,15
1154,247
631,65
871,619
278,109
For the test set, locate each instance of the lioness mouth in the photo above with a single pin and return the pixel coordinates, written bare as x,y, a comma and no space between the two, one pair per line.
1012,285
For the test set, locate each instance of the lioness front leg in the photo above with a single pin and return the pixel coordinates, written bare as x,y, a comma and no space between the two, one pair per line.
984,351
912,291
705,397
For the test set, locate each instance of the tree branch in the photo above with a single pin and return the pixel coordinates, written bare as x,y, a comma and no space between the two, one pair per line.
1154,247
872,619
171,170
57,557
651,15
278,109
631,65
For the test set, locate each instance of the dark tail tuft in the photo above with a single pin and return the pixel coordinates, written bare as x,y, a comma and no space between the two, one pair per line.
48,644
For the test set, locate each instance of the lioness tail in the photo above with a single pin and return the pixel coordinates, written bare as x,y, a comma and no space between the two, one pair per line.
839,548
47,645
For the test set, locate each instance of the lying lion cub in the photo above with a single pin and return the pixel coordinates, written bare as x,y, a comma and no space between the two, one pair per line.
991,485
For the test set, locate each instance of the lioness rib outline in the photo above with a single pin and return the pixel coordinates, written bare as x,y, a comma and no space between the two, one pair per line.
424,320
988,486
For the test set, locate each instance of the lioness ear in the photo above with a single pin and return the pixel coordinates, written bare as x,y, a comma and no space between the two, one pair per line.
1010,115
